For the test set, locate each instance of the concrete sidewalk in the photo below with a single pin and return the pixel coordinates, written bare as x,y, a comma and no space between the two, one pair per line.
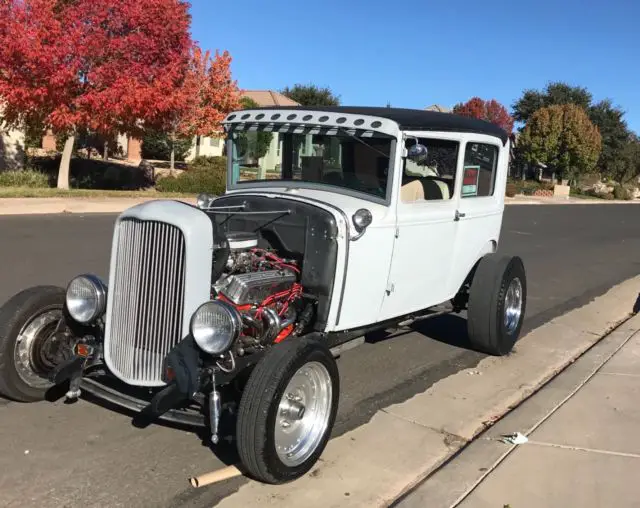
583,445
31,206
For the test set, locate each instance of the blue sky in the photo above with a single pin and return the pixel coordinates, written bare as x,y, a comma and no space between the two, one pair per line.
414,54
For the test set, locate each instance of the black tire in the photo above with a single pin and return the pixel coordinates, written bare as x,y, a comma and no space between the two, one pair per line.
15,314
258,411
486,309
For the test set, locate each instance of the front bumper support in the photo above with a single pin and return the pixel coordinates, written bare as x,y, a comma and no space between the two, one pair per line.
97,389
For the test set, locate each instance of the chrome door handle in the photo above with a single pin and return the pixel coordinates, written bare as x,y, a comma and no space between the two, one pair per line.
458,215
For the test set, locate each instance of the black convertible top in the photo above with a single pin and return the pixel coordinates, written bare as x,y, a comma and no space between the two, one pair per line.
415,119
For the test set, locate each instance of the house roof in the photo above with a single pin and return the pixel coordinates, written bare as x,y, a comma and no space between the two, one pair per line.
416,119
268,98
438,107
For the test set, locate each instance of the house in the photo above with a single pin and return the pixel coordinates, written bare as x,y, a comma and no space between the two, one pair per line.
439,108
11,147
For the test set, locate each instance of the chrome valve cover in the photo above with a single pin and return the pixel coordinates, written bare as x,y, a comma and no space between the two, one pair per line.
254,287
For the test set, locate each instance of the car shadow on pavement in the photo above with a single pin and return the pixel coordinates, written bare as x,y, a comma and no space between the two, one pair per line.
449,329
636,306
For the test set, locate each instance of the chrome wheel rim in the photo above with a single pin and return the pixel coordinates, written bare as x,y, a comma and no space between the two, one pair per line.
513,305
26,353
303,414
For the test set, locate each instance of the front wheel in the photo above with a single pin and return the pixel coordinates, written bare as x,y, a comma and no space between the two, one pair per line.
497,303
287,410
28,348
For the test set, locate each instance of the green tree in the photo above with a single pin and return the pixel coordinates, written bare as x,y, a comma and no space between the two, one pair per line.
615,135
311,95
157,145
257,146
554,94
626,167
563,138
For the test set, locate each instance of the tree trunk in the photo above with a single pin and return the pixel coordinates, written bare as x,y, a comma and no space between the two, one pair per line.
105,153
65,163
197,146
172,165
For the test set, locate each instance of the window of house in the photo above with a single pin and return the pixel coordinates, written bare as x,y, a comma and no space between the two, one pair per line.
215,142
479,172
432,178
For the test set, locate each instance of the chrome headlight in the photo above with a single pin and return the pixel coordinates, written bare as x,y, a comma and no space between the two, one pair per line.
86,298
215,326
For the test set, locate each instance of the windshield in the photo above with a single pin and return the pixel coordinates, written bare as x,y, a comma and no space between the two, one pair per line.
340,159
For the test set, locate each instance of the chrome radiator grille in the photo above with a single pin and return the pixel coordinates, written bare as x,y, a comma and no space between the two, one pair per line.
145,313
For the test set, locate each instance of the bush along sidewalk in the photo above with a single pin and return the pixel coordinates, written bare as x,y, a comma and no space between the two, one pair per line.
205,174
42,171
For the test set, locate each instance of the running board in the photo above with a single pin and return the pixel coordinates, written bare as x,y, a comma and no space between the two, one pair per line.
338,350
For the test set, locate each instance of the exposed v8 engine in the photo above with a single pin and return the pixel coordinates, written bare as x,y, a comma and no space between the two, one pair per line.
265,290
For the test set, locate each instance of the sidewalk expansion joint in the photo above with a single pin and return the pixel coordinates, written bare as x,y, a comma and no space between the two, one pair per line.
624,374
583,449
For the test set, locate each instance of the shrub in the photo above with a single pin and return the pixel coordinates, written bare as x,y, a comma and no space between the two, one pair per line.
205,174
93,173
608,196
528,187
206,162
26,178
512,190
98,174
620,192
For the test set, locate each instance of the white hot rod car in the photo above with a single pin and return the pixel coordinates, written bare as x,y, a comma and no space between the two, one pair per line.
355,219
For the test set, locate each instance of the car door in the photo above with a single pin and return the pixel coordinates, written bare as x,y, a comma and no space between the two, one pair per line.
481,202
424,244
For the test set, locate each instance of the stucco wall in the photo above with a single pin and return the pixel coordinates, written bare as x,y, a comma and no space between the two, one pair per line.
209,147
11,149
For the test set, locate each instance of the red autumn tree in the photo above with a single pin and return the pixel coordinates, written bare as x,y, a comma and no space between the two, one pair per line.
96,64
208,94
491,111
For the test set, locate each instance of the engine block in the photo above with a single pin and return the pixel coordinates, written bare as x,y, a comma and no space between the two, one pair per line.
254,287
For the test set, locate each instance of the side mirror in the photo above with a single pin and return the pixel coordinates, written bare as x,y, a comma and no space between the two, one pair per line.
417,153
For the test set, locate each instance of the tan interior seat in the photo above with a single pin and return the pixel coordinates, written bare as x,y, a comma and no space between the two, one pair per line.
412,191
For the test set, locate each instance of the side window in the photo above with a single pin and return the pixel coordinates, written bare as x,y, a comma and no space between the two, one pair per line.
432,178
479,172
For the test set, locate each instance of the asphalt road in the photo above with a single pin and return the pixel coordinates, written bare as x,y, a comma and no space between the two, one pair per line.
85,455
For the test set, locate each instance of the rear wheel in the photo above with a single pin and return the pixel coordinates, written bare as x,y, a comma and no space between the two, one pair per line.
28,347
287,410
497,303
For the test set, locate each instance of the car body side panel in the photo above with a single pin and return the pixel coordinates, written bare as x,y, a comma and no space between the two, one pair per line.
366,280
